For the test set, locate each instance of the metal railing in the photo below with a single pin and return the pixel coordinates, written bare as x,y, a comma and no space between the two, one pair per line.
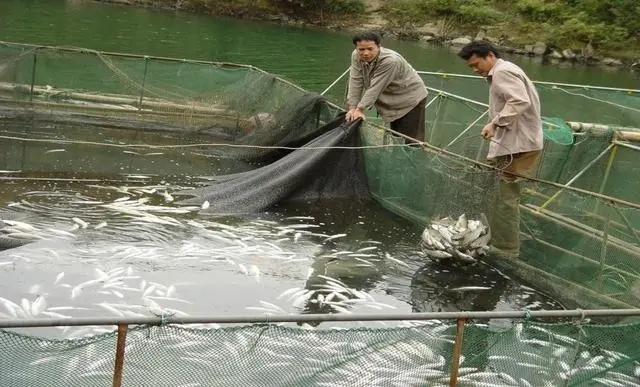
630,133
454,75
460,317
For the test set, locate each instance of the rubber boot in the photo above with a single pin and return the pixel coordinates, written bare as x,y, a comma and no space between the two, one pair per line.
504,219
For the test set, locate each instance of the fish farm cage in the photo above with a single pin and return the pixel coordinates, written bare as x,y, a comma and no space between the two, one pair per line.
579,212
579,223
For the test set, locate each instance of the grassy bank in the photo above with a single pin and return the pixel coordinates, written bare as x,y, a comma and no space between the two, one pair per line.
590,28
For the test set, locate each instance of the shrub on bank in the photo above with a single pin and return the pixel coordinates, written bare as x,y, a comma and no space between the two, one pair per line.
310,10
609,25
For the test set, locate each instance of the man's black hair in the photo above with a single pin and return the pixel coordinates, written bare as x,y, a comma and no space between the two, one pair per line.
371,36
479,48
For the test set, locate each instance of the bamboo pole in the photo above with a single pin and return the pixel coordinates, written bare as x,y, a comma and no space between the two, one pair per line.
126,100
106,108
592,127
579,256
634,232
334,82
120,350
626,145
432,148
607,171
433,99
584,230
628,136
480,150
33,74
457,351
466,129
577,175
453,75
622,311
137,121
626,223
127,55
144,80
603,254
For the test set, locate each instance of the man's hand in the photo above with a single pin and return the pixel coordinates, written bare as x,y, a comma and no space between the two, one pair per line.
488,130
353,114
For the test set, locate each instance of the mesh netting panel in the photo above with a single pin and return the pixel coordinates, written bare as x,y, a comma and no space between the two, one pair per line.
584,241
318,169
573,103
131,98
227,101
574,239
583,248
399,177
569,102
526,354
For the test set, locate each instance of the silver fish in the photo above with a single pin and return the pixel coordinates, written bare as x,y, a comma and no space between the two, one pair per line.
464,239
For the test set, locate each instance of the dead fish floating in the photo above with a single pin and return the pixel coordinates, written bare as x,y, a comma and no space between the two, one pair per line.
463,240
14,233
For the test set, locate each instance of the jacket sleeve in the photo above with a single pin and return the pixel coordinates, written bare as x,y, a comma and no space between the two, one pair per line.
355,81
383,75
514,92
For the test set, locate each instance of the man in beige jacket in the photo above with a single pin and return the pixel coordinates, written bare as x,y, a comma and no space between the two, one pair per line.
515,131
382,78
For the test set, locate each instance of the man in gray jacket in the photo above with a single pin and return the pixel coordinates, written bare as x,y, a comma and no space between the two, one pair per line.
382,78
515,130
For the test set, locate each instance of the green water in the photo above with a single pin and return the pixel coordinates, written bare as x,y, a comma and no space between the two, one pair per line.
311,58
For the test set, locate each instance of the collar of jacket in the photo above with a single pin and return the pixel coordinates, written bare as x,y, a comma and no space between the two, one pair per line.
490,75
372,63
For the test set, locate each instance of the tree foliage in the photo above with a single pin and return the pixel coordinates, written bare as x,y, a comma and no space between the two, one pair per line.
607,24
301,9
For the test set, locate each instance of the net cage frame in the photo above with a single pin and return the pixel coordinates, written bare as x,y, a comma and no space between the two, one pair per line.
616,138
140,106
462,321
623,138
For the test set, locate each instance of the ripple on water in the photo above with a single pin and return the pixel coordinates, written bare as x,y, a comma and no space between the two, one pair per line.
129,250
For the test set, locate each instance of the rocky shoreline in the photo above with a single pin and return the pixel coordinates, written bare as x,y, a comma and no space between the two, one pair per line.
538,50
430,33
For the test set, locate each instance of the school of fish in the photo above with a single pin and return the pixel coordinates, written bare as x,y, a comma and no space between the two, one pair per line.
462,240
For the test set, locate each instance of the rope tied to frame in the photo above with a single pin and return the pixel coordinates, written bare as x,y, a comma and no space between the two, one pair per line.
579,324
164,319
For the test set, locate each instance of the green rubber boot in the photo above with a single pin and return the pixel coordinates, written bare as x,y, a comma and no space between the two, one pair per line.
504,219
